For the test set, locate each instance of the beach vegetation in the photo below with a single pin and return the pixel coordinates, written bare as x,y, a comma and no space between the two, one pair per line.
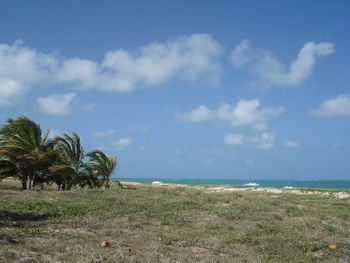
30,155
168,223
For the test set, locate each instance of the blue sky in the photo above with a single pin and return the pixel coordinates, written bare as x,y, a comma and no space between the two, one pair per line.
186,89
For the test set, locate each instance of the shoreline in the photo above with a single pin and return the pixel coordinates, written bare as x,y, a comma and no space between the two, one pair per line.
329,185
337,193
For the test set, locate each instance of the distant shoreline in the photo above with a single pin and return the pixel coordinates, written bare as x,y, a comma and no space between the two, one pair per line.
341,185
339,194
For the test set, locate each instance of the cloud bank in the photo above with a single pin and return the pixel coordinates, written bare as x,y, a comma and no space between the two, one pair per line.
188,57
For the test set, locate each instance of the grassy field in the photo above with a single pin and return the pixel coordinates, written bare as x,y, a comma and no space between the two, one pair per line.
171,224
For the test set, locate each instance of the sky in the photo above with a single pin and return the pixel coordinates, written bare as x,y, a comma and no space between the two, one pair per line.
186,89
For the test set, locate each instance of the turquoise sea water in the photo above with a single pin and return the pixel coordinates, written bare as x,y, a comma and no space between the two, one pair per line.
321,184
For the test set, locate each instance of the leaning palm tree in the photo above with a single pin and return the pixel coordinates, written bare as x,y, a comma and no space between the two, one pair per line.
24,147
70,168
103,166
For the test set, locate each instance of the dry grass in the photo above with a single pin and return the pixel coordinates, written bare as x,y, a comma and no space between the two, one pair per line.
171,224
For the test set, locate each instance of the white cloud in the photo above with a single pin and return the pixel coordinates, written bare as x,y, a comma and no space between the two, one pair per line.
10,91
242,54
21,67
24,64
291,144
108,133
235,139
84,73
270,71
122,143
201,114
338,107
264,141
188,57
55,104
91,106
244,113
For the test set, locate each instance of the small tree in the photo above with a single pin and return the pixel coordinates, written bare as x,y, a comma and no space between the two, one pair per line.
69,168
24,147
103,165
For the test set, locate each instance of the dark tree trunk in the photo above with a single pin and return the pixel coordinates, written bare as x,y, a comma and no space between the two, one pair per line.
39,180
30,182
24,182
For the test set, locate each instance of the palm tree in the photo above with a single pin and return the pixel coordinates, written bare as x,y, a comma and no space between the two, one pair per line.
24,150
103,166
70,168
34,158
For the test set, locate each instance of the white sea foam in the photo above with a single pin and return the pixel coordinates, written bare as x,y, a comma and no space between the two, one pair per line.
251,184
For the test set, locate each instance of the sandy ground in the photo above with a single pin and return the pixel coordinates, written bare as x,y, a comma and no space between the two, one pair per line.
338,195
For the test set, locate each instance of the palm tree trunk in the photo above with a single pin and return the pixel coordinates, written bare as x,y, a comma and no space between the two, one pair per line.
24,181
30,181
120,185
106,184
91,183
35,180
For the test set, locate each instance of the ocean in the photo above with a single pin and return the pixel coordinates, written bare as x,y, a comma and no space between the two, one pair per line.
320,184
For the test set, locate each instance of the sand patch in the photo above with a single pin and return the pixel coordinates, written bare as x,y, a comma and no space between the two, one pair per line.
338,195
